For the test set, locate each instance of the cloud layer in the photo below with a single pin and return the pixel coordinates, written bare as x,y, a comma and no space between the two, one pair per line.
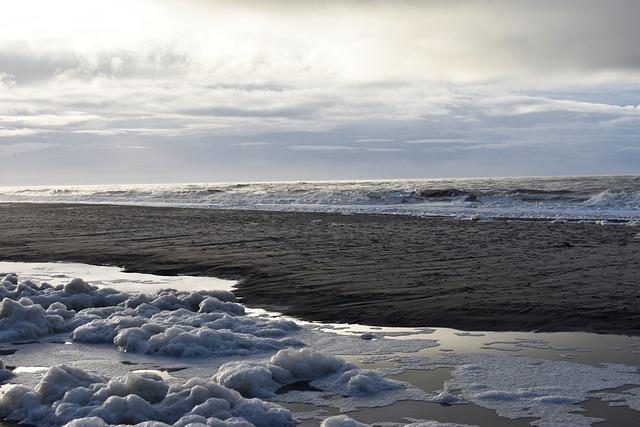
283,90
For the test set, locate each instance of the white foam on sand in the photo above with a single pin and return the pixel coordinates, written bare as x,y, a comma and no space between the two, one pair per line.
70,396
168,322
356,345
60,273
237,365
630,398
345,421
176,324
335,382
523,387
520,386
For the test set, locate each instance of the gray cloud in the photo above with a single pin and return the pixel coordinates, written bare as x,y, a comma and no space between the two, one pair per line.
25,65
19,148
406,88
322,148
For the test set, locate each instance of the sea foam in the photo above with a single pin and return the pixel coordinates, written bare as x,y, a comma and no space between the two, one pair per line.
552,198
282,369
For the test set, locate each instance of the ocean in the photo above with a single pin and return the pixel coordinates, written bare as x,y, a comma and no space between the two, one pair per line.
592,198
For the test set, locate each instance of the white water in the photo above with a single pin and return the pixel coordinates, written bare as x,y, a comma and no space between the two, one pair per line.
571,198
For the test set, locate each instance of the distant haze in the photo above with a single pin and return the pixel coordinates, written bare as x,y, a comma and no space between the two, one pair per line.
178,91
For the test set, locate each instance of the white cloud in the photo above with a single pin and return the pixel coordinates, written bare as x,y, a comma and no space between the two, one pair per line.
48,120
275,41
221,67
266,75
18,132
523,104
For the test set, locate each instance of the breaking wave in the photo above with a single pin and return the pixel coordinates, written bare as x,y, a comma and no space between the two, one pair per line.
572,198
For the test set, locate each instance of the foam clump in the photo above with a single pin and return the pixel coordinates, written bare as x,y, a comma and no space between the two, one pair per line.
24,319
184,333
77,398
168,322
306,363
359,382
445,397
79,286
75,295
342,421
288,366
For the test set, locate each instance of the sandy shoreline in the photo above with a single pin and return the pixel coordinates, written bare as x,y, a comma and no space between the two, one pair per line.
372,269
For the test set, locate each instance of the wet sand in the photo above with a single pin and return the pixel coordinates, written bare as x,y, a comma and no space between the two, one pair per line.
371,269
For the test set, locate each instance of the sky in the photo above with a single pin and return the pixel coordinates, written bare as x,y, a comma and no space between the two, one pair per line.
140,91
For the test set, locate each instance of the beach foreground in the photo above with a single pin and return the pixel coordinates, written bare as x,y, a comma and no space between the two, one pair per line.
369,269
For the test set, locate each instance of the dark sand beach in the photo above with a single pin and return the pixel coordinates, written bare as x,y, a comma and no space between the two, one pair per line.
371,269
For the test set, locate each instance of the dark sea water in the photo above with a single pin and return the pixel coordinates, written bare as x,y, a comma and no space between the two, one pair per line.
598,198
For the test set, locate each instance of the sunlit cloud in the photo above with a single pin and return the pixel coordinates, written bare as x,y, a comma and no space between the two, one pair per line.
18,132
283,79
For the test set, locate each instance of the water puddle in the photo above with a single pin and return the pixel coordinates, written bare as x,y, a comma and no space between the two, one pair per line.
462,414
613,416
430,380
